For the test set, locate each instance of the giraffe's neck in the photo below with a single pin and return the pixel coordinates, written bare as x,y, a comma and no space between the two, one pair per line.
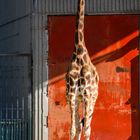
80,15
79,34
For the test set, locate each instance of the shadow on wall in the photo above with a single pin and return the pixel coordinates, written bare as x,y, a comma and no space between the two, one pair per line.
104,36
110,53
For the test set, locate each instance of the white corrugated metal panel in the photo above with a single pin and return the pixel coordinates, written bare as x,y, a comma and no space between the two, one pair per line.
40,68
39,37
12,10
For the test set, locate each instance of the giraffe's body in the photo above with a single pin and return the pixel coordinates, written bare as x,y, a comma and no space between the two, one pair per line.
81,80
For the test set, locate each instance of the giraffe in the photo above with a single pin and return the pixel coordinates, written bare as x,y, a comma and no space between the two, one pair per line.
81,81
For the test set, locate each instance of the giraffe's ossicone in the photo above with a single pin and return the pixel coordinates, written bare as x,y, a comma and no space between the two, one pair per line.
81,81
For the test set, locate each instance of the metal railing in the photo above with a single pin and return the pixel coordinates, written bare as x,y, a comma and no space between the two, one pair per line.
13,129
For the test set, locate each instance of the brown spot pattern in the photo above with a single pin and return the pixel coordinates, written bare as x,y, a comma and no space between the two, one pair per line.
88,77
82,62
71,82
80,36
96,79
93,73
68,87
82,13
76,37
74,57
74,66
72,90
80,26
79,83
75,75
67,78
83,82
80,50
78,61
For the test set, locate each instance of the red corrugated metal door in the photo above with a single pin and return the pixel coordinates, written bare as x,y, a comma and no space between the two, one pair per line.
112,42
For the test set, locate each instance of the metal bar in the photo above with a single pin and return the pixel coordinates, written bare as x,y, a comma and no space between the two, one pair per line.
14,134
25,131
0,124
15,20
2,131
20,138
17,115
15,54
12,123
10,36
6,118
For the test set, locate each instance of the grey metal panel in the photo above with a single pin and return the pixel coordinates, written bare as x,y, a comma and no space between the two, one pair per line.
93,6
11,10
15,63
15,81
15,92
15,37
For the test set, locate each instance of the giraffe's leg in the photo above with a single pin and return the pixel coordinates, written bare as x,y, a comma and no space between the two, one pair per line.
89,104
73,113
78,123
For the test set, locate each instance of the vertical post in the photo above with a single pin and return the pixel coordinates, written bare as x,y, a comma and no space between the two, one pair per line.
0,113
12,129
23,119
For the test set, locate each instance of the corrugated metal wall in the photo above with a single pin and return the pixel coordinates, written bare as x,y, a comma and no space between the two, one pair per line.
10,11
93,6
